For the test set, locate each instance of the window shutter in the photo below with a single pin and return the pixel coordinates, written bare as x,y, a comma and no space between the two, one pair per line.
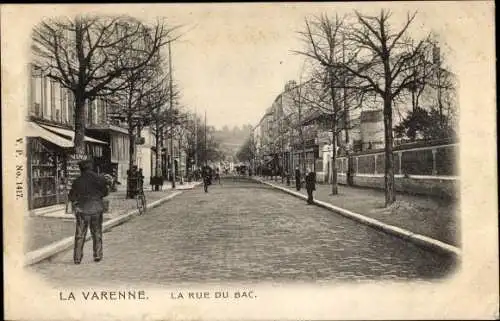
52,85
71,108
64,105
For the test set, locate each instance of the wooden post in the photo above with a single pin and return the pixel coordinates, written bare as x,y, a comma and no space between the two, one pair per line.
434,168
400,154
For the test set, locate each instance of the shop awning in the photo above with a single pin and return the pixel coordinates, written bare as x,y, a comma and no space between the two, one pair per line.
34,130
71,134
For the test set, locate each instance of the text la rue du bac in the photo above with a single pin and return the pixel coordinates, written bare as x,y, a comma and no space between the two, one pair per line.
200,295
141,295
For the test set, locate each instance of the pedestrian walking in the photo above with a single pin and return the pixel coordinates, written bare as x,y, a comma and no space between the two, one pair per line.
297,178
310,185
86,195
217,175
207,177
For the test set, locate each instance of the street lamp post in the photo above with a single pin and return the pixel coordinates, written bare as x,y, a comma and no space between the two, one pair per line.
180,158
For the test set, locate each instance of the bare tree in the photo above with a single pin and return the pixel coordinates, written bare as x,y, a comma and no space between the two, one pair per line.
422,70
327,92
131,103
384,63
139,100
193,137
182,131
443,82
201,143
161,118
89,55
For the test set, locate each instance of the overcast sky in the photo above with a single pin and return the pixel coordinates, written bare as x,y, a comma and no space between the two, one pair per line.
233,62
234,59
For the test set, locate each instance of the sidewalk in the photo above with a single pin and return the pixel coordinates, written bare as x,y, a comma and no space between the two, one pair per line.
432,217
44,229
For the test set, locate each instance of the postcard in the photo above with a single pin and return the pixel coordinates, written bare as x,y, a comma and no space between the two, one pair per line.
249,161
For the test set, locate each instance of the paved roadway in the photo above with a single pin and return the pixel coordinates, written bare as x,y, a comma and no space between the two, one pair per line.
244,231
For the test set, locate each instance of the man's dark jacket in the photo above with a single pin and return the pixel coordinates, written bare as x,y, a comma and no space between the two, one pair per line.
207,174
87,191
311,181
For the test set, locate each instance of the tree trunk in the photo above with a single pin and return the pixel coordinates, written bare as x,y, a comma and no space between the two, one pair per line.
334,163
348,150
80,91
79,143
179,167
390,196
282,166
303,154
131,149
413,100
157,155
350,170
334,134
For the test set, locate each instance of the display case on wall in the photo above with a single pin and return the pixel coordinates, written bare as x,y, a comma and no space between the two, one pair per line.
47,181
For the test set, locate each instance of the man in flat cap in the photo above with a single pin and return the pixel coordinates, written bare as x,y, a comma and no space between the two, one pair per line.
87,193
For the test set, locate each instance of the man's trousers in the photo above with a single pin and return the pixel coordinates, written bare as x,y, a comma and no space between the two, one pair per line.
310,199
297,184
83,222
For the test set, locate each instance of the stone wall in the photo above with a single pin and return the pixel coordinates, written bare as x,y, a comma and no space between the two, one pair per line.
426,170
440,187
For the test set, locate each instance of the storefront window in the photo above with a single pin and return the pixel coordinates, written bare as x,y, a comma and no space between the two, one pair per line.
47,176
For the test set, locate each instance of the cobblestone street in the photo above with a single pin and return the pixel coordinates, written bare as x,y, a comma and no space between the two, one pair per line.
244,231
429,216
42,231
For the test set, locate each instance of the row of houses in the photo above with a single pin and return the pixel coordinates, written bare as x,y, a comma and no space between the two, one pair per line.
50,135
293,133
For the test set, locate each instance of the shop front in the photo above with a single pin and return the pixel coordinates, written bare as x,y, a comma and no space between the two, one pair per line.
308,158
114,159
49,163
47,174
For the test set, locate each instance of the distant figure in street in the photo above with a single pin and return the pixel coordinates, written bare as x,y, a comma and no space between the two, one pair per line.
297,178
287,176
207,177
86,195
310,185
217,175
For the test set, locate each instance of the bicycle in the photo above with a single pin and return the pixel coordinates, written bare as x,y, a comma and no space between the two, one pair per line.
141,199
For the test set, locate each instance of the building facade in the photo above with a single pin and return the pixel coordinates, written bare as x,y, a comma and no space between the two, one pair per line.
49,138
293,133
50,134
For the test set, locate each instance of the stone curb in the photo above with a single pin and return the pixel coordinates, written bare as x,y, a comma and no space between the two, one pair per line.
50,250
421,240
